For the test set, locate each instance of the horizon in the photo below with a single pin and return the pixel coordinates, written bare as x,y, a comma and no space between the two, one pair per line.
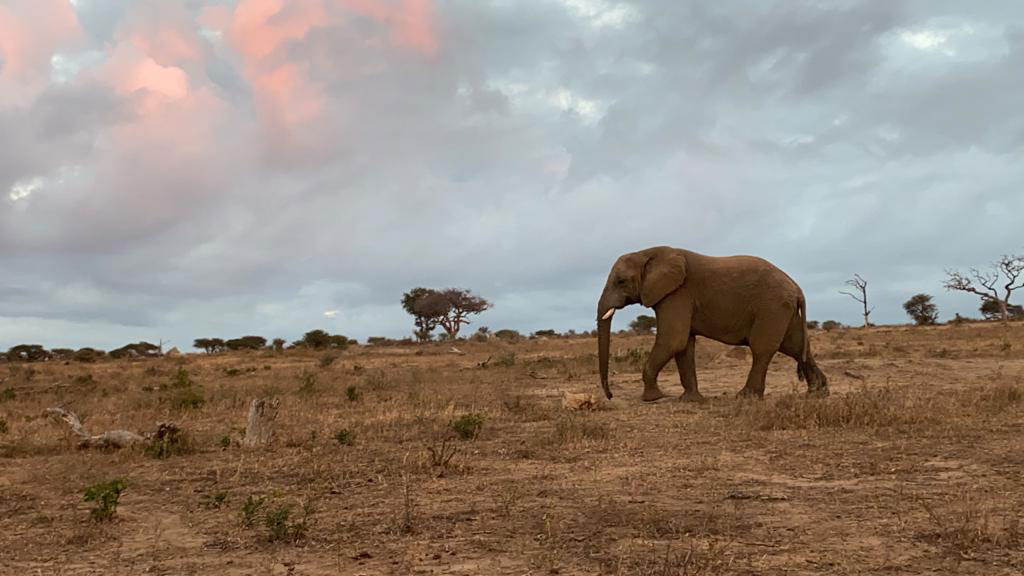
180,170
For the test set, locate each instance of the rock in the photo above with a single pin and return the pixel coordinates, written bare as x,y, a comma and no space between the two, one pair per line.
588,401
173,353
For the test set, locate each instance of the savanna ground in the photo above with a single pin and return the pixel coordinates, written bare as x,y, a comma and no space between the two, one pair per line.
914,464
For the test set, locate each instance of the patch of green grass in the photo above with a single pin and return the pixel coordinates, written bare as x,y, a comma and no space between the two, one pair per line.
344,437
182,379
352,393
106,496
251,509
468,426
189,399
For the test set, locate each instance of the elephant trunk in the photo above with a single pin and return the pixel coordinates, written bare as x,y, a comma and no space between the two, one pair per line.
604,332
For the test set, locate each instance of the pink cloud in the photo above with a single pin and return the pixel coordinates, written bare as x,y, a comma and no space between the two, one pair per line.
261,30
31,31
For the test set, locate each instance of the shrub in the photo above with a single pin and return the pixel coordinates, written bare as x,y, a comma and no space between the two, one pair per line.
352,393
830,325
508,335
181,378
27,353
813,324
921,309
189,399
573,429
106,496
321,339
505,360
345,437
88,355
307,382
3,425
279,345
7,394
62,353
250,508
280,528
545,334
168,440
468,426
327,359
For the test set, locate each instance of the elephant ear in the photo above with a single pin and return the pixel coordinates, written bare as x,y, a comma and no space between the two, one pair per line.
664,272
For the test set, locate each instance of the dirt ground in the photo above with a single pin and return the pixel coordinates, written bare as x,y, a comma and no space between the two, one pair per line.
914,464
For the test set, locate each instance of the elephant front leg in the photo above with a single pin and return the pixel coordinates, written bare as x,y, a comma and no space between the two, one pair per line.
686,362
673,330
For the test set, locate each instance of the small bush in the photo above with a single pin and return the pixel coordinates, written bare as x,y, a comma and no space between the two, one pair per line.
281,529
7,394
508,335
181,378
830,325
106,496
3,425
168,441
352,393
251,509
327,359
188,399
225,441
344,437
83,380
813,324
307,382
506,360
468,426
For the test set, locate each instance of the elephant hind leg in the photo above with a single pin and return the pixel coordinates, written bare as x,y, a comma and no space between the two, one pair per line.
806,368
766,337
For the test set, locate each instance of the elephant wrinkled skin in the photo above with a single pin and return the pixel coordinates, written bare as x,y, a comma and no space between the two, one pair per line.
737,300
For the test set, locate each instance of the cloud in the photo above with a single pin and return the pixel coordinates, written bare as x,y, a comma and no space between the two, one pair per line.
207,168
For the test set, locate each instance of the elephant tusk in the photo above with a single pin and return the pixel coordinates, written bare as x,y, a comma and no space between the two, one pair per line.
608,314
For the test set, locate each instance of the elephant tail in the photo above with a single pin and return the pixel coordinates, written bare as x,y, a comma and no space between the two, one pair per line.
801,366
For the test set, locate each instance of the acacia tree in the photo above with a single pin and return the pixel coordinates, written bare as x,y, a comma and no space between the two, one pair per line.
921,309
643,324
860,294
449,309
424,319
985,283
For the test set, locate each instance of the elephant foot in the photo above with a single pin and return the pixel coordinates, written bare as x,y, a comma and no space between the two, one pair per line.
652,394
749,393
817,393
693,396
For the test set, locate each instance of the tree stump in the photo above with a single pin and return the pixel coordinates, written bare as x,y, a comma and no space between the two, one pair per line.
259,430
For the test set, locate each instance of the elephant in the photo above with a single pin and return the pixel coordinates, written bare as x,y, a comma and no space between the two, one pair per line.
737,300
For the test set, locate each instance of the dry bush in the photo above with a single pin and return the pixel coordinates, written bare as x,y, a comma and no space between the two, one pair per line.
969,524
866,408
579,429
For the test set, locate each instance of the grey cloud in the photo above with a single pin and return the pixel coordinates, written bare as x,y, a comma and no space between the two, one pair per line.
537,146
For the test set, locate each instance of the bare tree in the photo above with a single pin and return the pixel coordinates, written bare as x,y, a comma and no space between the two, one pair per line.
860,294
985,283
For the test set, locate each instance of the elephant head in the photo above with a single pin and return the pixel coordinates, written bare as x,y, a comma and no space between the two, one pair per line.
643,277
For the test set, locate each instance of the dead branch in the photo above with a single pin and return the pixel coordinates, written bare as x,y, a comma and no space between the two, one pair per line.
861,286
111,439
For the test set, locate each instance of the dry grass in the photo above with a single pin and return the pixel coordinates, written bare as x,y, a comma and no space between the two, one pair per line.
410,459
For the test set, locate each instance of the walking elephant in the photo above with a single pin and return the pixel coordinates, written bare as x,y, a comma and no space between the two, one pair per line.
737,300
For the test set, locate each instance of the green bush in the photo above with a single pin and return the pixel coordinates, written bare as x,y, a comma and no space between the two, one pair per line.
7,394
251,508
352,393
189,399
3,426
468,426
106,496
345,437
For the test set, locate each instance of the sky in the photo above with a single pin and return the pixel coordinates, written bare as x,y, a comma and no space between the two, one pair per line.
176,169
